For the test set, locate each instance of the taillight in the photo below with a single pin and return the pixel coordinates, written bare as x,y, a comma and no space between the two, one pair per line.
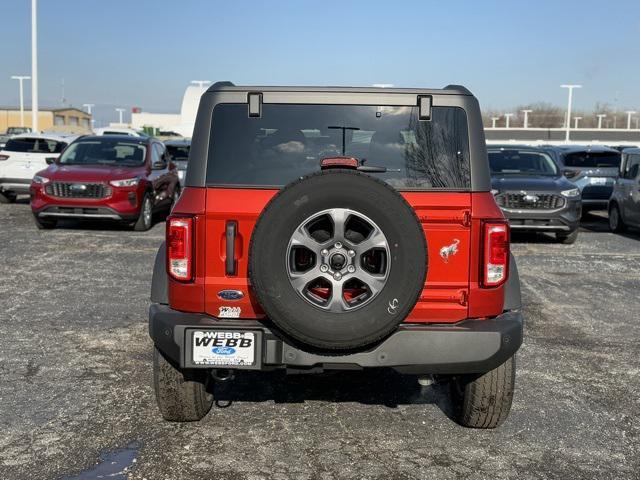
180,248
4,157
495,262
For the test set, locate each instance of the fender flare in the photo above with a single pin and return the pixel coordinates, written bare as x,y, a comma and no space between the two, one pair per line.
512,296
159,293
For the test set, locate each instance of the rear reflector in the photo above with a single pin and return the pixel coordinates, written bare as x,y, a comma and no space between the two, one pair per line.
495,253
180,248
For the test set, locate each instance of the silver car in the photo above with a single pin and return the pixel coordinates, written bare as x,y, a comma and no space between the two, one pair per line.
624,206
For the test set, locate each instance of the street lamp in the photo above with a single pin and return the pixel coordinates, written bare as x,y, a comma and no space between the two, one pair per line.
636,120
20,79
629,113
600,117
493,121
507,116
120,111
526,117
568,118
88,106
575,122
34,65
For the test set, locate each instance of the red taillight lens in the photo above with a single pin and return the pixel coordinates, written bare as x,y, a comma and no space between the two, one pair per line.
4,157
180,248
496,253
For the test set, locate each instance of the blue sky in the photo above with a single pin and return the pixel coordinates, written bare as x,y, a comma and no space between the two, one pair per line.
143,53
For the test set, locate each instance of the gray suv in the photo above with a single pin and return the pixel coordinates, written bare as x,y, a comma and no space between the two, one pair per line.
533,193
592,169
624,206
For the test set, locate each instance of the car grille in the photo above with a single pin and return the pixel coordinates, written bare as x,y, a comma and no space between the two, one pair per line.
596,192
530,201
78,190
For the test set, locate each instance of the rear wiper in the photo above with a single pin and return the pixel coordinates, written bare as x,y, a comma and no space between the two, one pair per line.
376,169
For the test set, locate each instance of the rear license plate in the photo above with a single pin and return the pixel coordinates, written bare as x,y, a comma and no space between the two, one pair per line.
598,181
223,348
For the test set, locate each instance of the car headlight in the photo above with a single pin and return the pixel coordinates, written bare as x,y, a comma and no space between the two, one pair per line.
572,193
181,175
40,179
128,182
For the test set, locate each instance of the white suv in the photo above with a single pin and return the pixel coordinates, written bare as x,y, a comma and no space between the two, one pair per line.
22,157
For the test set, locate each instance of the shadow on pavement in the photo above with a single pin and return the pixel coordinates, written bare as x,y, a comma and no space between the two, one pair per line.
369,387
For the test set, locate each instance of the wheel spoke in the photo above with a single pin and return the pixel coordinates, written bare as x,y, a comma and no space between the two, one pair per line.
302,238
336,303
339,218
375,240
375,283
299,281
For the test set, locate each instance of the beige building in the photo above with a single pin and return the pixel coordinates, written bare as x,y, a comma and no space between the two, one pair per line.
69,120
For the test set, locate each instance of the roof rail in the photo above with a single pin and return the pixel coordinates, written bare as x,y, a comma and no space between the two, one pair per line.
458,87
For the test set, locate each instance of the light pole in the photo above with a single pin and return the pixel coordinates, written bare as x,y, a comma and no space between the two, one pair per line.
629,113
568,118
34,65
20,79
575,122
120,111
507,116
526,117
636,120
493,121
88,106
600,117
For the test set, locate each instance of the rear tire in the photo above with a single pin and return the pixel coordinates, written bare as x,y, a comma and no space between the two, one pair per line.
145,220
567,239
179,399
45,223
8,197
616,223
484,401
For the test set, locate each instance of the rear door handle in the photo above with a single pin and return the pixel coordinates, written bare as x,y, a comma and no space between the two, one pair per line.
230,261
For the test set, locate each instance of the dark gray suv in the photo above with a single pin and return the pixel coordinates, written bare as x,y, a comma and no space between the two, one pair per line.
624,206
533,193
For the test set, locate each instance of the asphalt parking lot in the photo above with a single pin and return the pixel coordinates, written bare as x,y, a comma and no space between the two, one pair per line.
77,402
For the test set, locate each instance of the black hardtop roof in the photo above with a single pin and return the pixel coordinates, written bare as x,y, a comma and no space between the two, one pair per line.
230,87
582,148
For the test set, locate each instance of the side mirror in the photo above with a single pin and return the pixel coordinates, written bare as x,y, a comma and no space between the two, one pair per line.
570,173
50,160
160,165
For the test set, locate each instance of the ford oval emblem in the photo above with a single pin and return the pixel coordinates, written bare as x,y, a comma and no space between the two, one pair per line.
223,350
230,294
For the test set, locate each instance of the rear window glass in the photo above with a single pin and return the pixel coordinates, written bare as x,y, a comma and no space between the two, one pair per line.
592,159
34,145
521,162
289,141
178,154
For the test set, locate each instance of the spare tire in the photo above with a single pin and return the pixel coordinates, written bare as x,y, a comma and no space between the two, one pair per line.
337,259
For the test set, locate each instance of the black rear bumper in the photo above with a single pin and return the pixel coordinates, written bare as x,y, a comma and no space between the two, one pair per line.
469,346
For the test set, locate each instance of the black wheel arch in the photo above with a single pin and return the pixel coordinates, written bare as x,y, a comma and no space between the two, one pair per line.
159,290
512,295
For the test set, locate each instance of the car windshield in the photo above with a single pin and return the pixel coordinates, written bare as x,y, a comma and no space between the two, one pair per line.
289,141
178,153
34,145
521,162
105,152
592,159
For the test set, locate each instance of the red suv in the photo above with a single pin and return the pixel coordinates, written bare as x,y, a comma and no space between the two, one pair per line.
333,228
106,177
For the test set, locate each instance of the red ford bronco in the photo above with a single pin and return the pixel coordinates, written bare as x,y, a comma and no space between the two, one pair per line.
326,228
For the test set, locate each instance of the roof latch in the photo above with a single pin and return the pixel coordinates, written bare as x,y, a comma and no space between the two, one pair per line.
424,107
255,104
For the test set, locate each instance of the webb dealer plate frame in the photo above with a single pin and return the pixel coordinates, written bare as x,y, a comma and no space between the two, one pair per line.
188,348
